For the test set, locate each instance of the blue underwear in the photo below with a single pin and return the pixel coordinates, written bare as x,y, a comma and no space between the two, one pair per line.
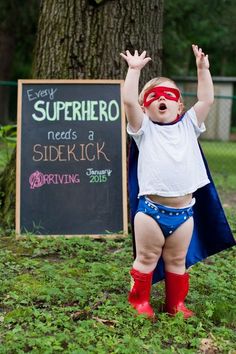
169,219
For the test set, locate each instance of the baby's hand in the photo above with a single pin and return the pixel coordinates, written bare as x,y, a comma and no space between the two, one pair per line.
202,61
136,61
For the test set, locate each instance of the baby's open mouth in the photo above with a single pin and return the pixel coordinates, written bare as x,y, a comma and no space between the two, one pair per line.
162,107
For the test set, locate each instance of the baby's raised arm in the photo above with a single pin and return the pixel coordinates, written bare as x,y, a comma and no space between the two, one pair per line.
205,90
133,109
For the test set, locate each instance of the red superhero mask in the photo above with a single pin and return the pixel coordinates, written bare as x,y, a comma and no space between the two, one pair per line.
156,92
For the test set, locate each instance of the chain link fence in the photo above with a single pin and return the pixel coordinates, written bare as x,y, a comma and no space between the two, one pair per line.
219,140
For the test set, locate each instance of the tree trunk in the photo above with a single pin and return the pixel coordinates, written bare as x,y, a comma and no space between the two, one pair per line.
77,40
83,40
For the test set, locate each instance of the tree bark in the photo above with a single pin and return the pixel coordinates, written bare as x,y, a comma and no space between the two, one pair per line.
83,40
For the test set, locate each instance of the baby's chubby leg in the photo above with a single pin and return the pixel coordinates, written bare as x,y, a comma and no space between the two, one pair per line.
176,280
149,241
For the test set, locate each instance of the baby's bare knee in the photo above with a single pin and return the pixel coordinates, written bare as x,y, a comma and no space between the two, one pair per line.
175,259
147,258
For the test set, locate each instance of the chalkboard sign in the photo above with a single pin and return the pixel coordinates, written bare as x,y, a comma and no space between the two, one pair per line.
71,158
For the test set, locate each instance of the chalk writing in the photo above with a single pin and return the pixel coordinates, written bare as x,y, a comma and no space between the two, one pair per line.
38,179
34,95
91,172
91,135
68,135
76,111
70,152
98,176
98,179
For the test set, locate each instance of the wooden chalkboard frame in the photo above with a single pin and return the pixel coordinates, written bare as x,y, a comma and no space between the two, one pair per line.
122,233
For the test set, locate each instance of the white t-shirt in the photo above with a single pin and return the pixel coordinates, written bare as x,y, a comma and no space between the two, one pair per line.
170,162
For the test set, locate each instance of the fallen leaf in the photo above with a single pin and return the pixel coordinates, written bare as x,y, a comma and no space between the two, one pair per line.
105,322
208,346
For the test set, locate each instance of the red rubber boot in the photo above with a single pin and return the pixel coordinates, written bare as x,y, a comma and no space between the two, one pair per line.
177,287
139,296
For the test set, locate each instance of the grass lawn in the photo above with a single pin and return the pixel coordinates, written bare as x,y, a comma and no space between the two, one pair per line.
221,157
70,295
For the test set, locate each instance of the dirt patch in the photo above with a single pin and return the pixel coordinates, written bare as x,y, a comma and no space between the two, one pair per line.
233,137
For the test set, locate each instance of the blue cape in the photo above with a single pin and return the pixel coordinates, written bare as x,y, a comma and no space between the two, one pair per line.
211,233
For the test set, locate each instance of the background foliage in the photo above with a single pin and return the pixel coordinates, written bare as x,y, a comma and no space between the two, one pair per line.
18,21
210,24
